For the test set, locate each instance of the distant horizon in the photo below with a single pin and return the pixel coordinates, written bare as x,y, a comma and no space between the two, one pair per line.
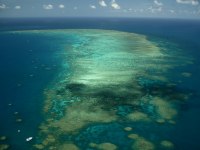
101,8
43,23
100,17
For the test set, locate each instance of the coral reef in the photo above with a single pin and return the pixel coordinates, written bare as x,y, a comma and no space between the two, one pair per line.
19,120
141,143
38,146
69,146
167,144
164,108
48,140
103,146
138,116
82,113
108,76
128,129
3,138
4,146
186,74
133,136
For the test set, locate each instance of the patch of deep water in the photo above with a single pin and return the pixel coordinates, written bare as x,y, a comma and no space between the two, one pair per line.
28,63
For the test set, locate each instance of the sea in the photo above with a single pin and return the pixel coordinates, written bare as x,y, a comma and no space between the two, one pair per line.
37,53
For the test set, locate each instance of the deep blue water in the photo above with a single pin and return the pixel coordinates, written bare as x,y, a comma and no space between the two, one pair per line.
25,62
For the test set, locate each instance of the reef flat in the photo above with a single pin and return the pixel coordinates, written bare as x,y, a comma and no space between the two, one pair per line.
115,91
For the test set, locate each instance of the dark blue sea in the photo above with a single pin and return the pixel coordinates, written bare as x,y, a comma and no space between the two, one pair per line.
31,63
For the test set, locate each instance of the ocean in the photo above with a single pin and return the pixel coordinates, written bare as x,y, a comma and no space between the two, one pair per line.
99,83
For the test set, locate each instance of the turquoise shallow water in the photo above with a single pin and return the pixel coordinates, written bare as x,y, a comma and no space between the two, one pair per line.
33,68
